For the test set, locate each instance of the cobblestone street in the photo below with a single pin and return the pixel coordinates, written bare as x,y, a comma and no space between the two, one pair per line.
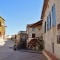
18,55
7,53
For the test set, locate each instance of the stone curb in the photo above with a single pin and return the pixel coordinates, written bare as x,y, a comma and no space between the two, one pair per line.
47,56
50,56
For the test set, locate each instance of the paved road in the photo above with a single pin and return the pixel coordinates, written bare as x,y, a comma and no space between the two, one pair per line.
7,53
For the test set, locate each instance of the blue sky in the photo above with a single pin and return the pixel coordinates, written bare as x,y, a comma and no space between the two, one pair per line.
19,13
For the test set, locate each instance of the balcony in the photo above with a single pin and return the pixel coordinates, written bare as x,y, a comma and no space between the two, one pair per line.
23,32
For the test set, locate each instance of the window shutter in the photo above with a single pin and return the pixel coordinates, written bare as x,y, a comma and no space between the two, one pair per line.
45,27
53,15
50,19
47,23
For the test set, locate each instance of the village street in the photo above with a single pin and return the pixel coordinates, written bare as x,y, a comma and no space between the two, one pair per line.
7,53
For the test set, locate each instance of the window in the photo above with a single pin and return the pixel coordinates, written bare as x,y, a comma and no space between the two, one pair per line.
53,15
58,36
33,35
45,27
58,26
58,39
0,33
33,29
49,21
0,24
23,37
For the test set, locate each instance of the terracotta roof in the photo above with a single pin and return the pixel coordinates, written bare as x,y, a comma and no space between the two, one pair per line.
36,24
44,8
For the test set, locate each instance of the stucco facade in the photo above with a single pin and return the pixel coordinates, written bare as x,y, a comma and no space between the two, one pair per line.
2,28
51,32
36,29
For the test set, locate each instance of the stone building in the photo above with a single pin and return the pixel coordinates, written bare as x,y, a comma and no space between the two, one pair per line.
51,26
21,40
2,28
34,32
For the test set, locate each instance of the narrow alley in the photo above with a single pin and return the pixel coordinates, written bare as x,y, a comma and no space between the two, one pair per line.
7,53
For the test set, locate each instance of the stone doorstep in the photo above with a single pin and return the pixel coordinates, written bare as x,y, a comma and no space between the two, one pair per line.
50,56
